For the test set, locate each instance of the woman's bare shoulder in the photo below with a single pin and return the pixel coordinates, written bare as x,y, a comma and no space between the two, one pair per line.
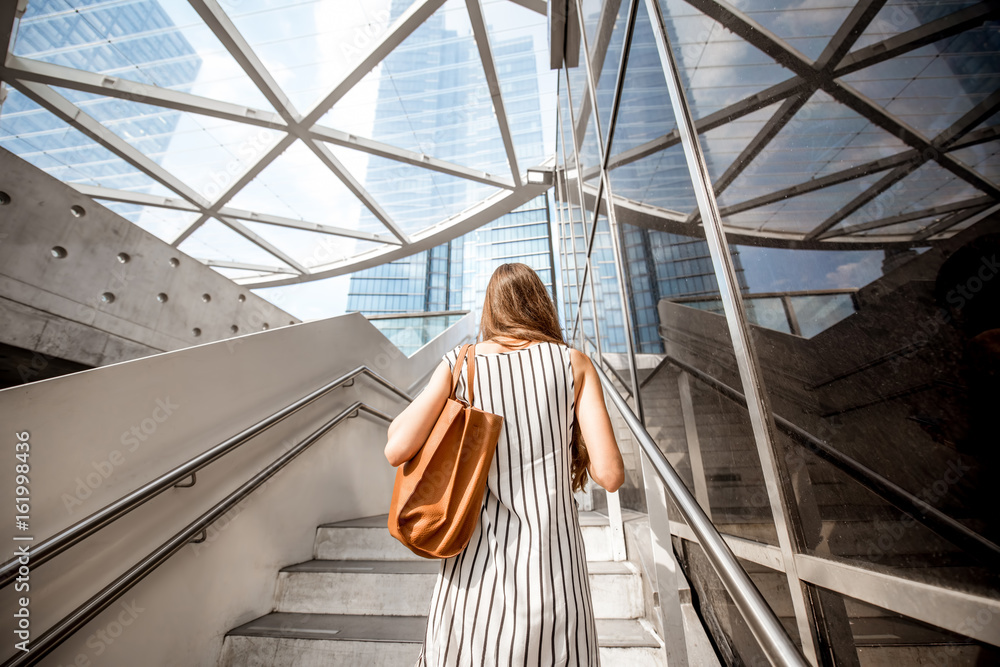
581,364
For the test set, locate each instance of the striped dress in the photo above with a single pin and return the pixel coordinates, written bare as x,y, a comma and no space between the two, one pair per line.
519,594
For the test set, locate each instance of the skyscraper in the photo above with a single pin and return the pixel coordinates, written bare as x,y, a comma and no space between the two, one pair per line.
450,117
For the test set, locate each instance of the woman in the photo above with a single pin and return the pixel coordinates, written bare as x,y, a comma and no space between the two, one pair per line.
518,593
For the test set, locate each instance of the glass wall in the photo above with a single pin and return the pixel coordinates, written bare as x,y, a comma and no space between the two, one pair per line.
778,236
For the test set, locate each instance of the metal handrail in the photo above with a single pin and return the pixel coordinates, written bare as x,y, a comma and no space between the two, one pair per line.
760,618
83,614
934,519
66,538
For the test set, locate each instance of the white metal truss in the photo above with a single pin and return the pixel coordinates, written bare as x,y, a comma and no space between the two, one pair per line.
38,79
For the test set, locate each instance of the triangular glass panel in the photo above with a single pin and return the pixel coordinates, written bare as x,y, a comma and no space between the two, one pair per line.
984,158
590,157
661,179
645,112
592,17
63,152
414,198
310,46
805,26
931,87
430,96
206,153
311,249
717,67
298,185
214,240
164,223
929,186
519,39
822,138
164,44
898,16
723,144
804,213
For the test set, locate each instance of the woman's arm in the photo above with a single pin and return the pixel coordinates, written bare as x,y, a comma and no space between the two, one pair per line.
606,466
409,430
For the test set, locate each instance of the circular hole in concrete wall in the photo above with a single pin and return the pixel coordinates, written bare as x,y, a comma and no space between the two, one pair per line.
196,332
206,297
174,262
124,257
77,211
266,326
291,321
58,252
4,198
241,298
234,329
162,297
108,297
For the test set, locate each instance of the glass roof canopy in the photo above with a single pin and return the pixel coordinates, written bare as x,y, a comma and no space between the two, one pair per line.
825,124
283,141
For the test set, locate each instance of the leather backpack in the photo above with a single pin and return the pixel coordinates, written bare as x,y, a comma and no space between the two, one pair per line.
438,494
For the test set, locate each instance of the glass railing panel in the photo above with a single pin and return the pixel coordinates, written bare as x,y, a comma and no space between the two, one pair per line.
411,332
884,637
733,641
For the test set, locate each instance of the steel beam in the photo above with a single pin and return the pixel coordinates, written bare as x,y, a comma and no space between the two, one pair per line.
780,119
873,191
244,266
70,113
847,34
954,219
907,217
482,38
952,24
133,91
281,221
372,147
128,197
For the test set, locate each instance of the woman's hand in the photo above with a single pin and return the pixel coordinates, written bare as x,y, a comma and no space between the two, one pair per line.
409,430
606,465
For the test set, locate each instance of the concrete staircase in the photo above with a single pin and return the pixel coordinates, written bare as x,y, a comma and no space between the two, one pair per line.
363,600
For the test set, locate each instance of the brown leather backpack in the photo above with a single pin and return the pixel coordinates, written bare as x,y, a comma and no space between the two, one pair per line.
438,493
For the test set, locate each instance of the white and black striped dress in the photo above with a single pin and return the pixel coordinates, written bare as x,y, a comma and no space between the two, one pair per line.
518,594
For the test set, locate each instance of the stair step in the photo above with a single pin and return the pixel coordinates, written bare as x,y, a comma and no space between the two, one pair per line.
404,588
369,539
312,640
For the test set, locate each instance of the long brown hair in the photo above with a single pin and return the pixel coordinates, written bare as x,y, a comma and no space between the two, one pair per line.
517,305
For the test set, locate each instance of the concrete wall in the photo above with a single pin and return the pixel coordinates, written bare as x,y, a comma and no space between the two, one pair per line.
53,306
98,434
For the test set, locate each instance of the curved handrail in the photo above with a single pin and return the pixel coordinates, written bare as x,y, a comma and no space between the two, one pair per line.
760,618
83,614
934,519
71,535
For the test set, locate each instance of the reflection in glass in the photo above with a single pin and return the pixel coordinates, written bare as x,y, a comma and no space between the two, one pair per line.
409,334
